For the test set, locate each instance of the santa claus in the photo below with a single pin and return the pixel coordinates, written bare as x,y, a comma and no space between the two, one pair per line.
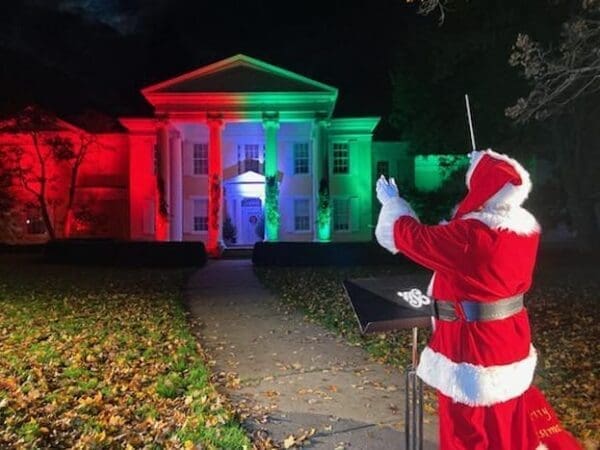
480,358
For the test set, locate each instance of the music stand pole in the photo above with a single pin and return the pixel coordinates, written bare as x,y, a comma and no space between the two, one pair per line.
413,408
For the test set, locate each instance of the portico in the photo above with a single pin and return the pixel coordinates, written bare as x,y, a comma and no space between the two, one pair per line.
224,129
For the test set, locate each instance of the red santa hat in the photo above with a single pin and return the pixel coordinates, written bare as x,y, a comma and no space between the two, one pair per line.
494,181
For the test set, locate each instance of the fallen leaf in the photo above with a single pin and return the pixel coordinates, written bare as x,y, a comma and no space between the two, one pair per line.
289,442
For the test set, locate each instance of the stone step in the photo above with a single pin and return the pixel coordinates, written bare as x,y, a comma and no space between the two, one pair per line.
237,253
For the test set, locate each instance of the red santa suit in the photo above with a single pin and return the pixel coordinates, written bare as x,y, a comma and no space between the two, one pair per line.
482,369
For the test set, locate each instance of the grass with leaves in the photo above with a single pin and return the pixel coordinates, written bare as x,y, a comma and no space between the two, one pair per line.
103,358
563,306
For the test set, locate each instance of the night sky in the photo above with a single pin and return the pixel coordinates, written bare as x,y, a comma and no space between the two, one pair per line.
71,54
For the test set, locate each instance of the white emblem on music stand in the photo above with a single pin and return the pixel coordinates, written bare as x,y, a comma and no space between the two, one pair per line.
415,298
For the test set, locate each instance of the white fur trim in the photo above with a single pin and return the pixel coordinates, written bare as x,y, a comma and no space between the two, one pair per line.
430,294
391,211
476,385
509,194
541,447
430,286
515,219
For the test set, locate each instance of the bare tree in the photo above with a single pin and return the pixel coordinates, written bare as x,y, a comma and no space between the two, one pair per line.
564,98
427,7
9,229
46,163
559,77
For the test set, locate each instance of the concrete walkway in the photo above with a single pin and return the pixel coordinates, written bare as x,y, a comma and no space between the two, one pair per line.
293,374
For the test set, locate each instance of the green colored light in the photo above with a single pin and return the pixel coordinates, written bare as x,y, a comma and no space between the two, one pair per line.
324,232
324,214
431,171
272,217
271,125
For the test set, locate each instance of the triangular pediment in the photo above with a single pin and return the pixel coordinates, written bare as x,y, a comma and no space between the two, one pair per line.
246,177
239,74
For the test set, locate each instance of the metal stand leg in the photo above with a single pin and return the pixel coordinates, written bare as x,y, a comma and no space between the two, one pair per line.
413,408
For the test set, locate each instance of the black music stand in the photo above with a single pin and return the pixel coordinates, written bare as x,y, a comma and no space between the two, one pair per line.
379,307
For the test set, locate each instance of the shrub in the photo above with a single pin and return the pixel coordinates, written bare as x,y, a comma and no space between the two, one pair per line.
433,206
125,253
322,254
229,230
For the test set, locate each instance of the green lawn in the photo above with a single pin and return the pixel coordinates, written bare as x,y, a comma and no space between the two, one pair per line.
563,306
103,358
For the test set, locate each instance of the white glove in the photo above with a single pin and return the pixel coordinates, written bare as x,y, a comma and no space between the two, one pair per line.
385,190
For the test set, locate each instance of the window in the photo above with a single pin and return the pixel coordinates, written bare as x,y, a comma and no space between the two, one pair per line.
35,224
383,168
251,202
201,214
341,214
201,159
301,158
249,158
301,214
340,157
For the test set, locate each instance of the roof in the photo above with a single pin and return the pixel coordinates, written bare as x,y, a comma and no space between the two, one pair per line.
239,73
241,88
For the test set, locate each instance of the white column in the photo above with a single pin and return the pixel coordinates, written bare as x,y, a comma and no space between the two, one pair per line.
176,188
270,126
215,184
162,222
319,162
165,166
315,171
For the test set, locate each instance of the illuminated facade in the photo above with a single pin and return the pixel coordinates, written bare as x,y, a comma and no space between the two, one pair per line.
250,145
236,152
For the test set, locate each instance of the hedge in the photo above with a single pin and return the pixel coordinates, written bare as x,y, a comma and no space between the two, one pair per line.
323,254
125,253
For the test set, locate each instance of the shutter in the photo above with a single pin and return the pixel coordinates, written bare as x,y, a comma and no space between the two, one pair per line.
328,152
354,214
311,214
287,165
149,215
287,213
310,157
188,158
353,161
187,219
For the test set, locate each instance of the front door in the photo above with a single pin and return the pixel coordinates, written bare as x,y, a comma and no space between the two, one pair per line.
251,221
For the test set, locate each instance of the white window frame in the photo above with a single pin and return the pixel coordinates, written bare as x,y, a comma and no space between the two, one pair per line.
200,159
193,214
309,206
333,149
243,153
349,214
296,146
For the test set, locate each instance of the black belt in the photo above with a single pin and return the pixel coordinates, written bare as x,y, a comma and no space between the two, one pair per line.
476,311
